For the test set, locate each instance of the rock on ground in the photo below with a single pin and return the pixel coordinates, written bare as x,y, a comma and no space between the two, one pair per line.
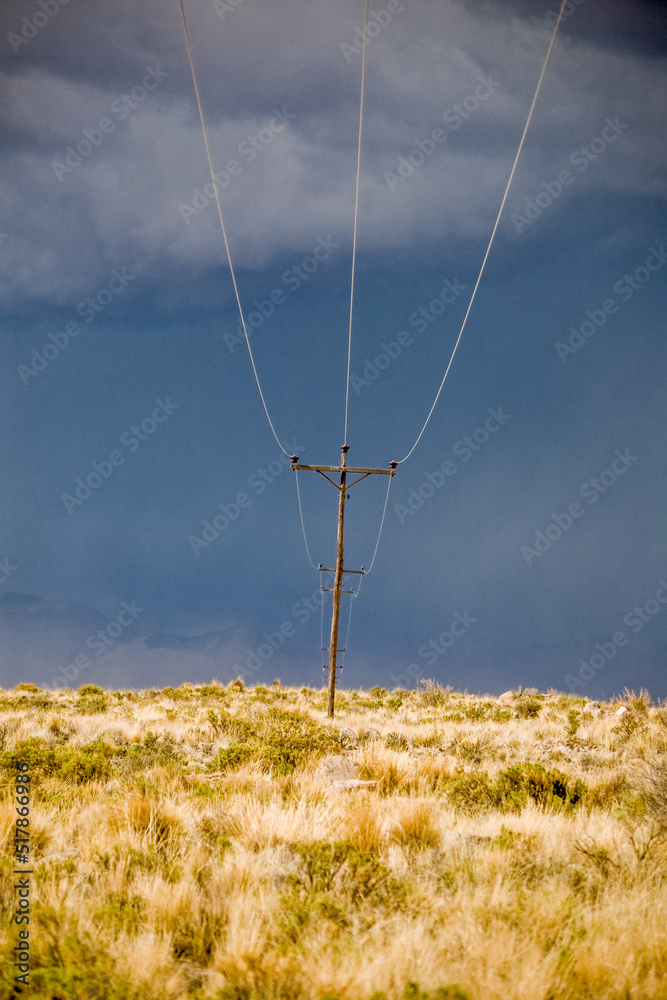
337,768
353,783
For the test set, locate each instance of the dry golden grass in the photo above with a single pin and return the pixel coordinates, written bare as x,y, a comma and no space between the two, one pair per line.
184,847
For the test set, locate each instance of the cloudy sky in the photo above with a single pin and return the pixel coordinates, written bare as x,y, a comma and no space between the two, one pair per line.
524,539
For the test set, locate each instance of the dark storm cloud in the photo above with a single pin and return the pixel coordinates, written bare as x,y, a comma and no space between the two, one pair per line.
124,203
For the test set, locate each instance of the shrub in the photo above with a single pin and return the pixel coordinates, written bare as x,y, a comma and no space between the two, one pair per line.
514,787
120,914
412,991
68,965
91,706
223,723
516,784
27,686
358,875
528,706
397,741
471,792
233,756
434,694
84,764
90,690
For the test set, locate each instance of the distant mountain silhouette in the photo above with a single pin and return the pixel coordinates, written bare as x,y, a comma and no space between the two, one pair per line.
39,638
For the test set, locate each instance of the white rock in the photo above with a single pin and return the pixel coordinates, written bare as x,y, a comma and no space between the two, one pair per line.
592,706
354,783
334,769
622,710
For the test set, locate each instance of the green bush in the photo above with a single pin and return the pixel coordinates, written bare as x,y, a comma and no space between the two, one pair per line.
359,875
174,693
89,763
516,784
412,991
94,761
528,706
120,913
91,706
514,787
76,765
66,966
434,695
233,756
89,691
472,792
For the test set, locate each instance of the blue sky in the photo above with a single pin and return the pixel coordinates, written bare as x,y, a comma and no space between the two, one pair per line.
121,362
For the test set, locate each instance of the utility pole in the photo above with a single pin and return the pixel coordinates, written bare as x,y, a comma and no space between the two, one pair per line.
342,488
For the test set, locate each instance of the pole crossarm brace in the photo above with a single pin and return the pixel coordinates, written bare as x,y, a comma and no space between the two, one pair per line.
343,469
323,569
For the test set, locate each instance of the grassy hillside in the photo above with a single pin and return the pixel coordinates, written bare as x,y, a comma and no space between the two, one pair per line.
185,846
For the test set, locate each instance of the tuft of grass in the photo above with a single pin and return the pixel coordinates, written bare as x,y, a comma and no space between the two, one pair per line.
416,826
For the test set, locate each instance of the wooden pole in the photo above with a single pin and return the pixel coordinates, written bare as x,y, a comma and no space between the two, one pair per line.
343,469
338,586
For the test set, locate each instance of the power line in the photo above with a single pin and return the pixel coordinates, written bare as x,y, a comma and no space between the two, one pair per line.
386,500
500,212
303,527
356,213
222,224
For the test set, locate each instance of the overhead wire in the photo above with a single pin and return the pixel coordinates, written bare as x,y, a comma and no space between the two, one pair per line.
349,623
303,527
222,224
384,511
356,216
353,271
495,228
